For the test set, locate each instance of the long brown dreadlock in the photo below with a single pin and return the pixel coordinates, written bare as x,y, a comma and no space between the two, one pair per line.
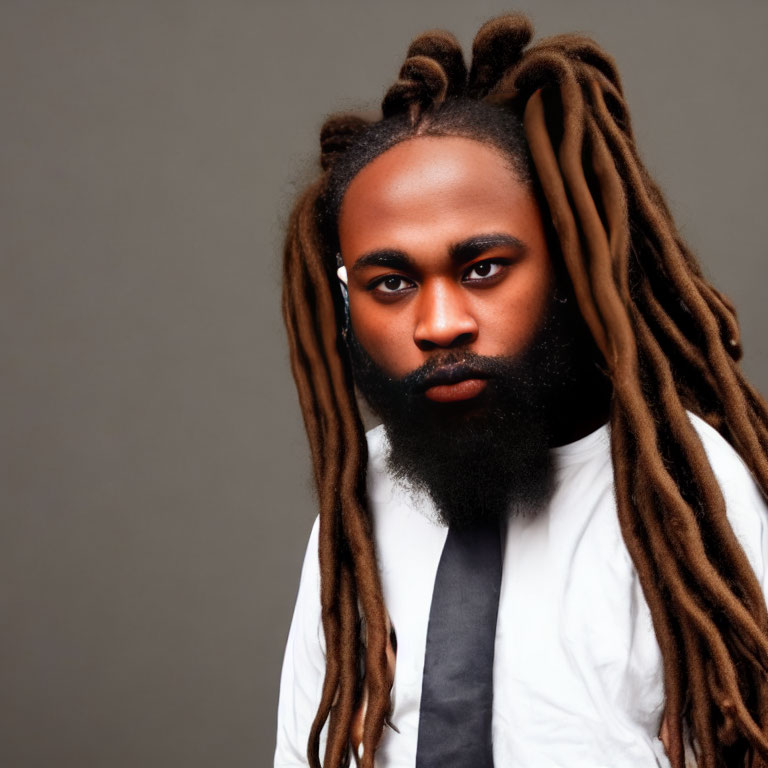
669,342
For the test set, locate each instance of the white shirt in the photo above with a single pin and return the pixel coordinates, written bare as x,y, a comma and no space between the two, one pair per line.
578,678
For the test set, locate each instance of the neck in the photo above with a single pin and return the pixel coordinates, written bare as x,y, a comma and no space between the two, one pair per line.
584,408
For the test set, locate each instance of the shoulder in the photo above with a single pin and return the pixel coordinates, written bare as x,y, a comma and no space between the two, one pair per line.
732,473
310,570
721,454
306,625
745,504
303,669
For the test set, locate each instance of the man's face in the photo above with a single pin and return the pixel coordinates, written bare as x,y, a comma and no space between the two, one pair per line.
445,250
456,341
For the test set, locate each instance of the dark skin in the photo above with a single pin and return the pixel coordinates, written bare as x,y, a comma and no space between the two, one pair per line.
445,249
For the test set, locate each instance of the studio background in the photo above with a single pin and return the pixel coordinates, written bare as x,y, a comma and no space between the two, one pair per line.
155,497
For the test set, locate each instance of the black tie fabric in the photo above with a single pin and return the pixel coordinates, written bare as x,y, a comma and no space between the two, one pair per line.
457,688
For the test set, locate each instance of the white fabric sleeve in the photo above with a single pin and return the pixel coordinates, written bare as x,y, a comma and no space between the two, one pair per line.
303,665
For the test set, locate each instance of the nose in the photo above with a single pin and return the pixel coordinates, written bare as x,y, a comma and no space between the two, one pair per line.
444,319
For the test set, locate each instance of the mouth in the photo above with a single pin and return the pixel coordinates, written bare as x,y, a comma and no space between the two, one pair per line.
461,390
453,383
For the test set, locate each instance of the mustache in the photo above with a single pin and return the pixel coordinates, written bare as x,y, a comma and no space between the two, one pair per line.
453,367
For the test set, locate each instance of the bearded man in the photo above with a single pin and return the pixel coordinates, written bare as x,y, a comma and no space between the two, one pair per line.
552,550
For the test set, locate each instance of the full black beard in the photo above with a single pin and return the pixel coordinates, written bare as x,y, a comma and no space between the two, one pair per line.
479,459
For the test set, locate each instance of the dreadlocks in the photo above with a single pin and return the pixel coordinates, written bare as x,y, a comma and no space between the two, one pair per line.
669,342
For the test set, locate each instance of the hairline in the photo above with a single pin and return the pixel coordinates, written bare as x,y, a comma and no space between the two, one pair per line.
504,155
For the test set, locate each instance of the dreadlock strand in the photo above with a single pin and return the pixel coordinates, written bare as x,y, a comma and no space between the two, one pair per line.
676,414
669,393
562,216
716,520
597,241
337,749
300,299
325,442
323,359
609,304
727,303
748,643
309,406
739,389
349,490
684,347
726,730
337,134
702,716
584,50
731,394
310,292
421,85
360,541
305,357
496,49
444,48
664,622
358,538
590,218
716,652
330,626
570,160
687,349
758,407
725,315
614,207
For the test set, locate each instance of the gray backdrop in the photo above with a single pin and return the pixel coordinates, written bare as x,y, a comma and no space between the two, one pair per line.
155,496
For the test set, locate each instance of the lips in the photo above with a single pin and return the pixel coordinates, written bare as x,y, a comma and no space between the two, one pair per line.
452,383
461,390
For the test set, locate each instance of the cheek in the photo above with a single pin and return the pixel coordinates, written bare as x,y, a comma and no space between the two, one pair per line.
512,317
386,336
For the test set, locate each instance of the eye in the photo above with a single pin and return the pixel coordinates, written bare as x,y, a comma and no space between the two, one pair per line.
483,270
391,284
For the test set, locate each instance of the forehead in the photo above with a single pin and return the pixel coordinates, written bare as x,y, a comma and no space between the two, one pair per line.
439,186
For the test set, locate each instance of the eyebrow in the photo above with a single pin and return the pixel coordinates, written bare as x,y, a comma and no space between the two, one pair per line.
475,246
460,252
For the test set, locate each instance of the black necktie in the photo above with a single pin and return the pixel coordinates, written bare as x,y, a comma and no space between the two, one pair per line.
457,689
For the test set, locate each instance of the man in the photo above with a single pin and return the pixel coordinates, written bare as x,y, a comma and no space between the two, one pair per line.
552,551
